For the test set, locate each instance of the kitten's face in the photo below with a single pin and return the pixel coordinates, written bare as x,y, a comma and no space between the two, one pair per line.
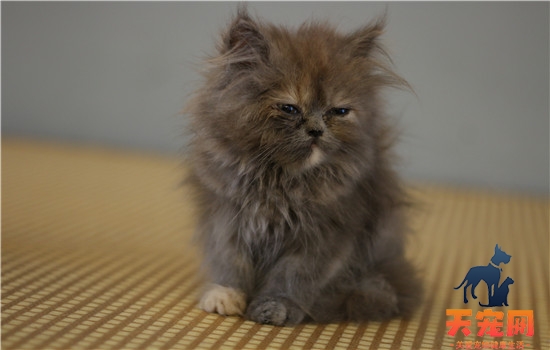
309,112
296,99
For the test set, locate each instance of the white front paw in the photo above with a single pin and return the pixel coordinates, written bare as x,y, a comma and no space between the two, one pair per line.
223,300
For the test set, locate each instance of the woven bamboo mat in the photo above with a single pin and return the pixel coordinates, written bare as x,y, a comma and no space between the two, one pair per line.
96,254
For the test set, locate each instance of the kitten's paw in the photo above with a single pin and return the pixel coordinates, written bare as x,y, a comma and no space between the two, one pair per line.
223,300
275,311
376,300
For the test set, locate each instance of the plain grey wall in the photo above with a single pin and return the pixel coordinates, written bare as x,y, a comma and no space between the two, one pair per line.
119,73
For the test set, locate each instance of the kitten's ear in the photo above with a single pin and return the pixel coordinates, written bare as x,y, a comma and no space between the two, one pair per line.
365,44
365,40
243,41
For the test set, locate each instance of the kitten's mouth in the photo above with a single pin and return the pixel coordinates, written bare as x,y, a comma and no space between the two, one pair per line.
314,143
306,157
315,157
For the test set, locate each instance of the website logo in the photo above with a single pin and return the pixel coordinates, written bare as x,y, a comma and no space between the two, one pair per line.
490,274
495,324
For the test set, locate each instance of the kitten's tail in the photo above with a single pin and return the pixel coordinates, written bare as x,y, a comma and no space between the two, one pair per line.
461,283
484,305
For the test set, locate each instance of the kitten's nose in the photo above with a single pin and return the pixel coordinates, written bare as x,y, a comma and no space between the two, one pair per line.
315,132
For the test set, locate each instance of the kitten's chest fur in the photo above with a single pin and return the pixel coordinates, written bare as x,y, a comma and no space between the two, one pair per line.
284,213
272,210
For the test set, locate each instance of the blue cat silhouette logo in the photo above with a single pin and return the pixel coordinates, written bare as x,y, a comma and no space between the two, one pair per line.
490,274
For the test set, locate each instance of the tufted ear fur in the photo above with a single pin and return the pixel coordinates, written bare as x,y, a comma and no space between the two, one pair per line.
243,44
364,44
364,41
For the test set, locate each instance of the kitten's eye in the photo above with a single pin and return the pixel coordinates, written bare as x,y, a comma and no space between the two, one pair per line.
339,111
289,109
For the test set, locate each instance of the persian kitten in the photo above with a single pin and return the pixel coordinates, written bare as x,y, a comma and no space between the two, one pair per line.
301,216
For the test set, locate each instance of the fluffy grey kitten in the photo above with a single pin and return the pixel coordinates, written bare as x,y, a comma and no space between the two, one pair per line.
301,216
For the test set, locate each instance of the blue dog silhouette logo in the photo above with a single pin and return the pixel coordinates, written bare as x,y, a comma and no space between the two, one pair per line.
498,295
